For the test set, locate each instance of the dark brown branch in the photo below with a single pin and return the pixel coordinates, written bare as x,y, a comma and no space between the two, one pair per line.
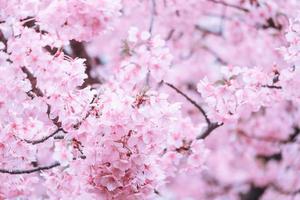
28,171
3,39
78,50
157,192
211,127
254,193
271,23
230,5
267,158
55,122
33,81
37,91
170,34
45,138
272,86
78,124
194,103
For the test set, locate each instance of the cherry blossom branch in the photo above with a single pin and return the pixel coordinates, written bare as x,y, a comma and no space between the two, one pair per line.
211,126
170,34
272,157
78,50
272,86
46,137
153,13
28,171
193,102
230,5
55,120
77,125
290,139
271,23
33,81
253,137
254,193
37,91
3,39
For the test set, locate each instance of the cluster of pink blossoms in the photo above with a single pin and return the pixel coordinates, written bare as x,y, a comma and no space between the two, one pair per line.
243,89
82,142
143,56
146,99
64,20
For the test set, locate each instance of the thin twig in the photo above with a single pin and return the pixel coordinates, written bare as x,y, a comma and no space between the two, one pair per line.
45,138
33,81
272,86
207,31
212,52
170,34
28,171
153,13
230,5
292,137
211,126
194,103
78,124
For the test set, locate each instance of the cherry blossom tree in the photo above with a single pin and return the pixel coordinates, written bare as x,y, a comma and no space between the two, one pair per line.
150,99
